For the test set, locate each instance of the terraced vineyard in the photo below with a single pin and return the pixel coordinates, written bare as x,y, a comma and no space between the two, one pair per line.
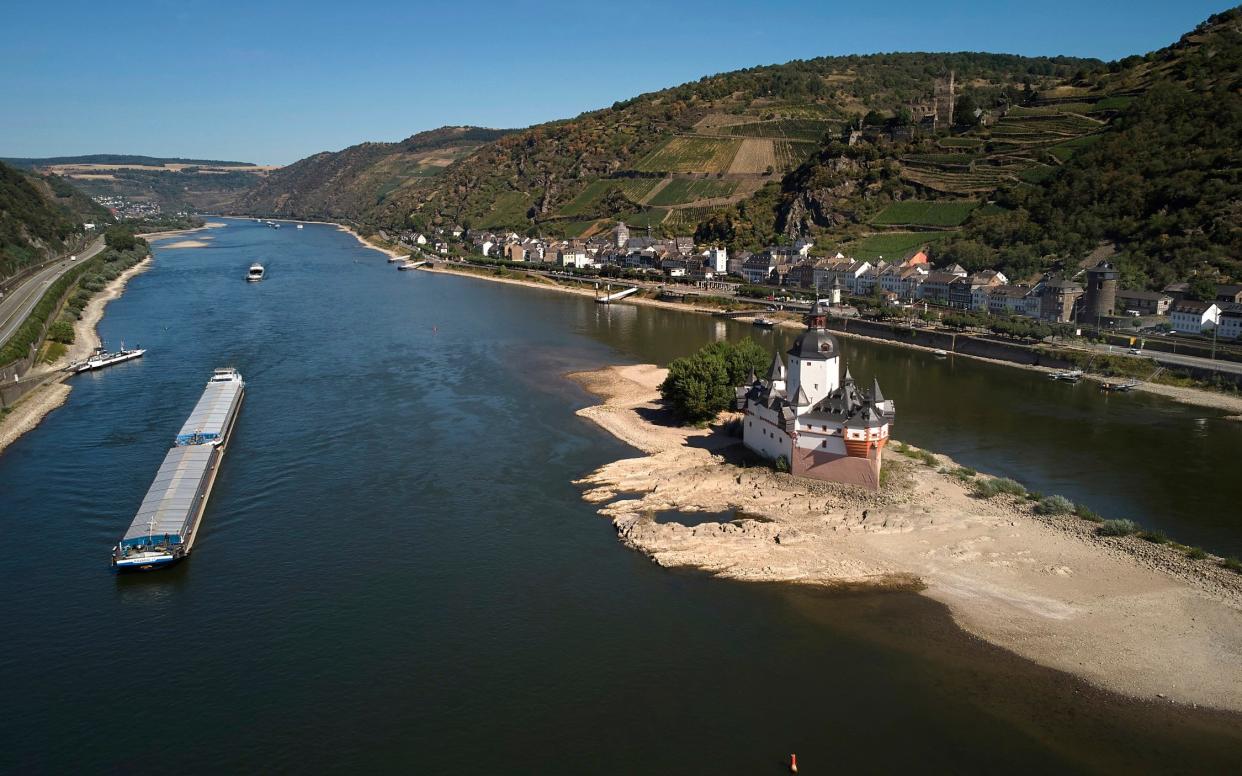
634,189
685,219
981,179
688,153
683,190
791,153
1019,147
812,130
923,213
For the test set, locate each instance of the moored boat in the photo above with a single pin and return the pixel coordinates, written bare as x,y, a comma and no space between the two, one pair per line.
167,522
763,323
1067,375
102,357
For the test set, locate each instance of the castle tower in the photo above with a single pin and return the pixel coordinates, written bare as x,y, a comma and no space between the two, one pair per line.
1101,296
622,234
814,360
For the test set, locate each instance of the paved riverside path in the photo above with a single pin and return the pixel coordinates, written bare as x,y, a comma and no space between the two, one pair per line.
18,303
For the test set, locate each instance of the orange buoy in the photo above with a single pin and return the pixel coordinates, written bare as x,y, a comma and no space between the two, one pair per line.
793,763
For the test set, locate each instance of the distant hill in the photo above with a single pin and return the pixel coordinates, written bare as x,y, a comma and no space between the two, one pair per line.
357,182
151,161
172,183
39,216
991,160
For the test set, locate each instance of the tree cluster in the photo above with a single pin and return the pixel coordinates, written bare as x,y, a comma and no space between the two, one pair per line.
701,386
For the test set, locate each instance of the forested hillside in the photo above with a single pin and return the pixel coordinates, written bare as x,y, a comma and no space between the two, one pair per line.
357,182
991,160
1163,186
38,217
672,158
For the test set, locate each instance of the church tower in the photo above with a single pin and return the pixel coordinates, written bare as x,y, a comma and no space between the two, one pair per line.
814,360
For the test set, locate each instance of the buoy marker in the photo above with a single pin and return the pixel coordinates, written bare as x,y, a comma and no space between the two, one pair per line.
793,763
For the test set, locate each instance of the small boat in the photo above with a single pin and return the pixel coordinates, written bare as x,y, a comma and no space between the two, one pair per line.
256,273
763,323
1125,387
300,225
938,353
101,357
1067,375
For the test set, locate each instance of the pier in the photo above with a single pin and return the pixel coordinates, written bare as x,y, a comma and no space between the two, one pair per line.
610,298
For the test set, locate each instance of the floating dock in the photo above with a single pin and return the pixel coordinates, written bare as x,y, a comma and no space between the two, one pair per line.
166,525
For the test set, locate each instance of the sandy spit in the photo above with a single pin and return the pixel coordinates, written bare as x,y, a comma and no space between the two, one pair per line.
1127,615
149,236
30,410
367,243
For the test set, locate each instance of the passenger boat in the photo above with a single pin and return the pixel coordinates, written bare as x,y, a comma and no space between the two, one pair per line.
101,357
256,273
167,522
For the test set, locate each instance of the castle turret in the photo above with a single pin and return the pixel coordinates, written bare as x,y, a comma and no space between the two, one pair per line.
814,363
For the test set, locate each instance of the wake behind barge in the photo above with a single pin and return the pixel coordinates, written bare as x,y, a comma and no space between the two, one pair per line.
164,530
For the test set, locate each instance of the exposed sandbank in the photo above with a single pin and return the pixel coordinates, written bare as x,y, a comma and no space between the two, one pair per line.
1127,615
149,236
30,410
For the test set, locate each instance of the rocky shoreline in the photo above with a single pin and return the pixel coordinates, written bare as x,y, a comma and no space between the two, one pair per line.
1127,615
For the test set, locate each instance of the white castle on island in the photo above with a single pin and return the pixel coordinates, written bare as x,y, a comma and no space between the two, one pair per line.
819,422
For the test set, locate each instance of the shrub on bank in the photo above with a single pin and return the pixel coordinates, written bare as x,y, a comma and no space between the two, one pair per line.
1195,553
61,331
1155,537
1233,564
1117,528
997,486
1054,505
1088,514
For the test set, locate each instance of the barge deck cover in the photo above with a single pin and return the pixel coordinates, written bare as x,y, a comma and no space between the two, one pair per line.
171,503
210,416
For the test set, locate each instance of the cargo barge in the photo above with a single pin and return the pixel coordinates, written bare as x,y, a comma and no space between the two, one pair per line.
166,525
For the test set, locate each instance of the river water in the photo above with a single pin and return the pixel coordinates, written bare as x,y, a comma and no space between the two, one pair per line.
396,572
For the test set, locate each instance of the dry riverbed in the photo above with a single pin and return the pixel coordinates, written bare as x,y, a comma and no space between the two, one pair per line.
1130,616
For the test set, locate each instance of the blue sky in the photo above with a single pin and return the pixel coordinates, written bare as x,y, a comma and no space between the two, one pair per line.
273,82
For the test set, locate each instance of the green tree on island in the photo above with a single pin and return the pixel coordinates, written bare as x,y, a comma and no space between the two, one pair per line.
701,386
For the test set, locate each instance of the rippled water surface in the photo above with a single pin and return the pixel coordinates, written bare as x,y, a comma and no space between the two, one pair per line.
396,572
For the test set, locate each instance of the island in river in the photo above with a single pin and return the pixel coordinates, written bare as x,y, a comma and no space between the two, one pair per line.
1127,615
